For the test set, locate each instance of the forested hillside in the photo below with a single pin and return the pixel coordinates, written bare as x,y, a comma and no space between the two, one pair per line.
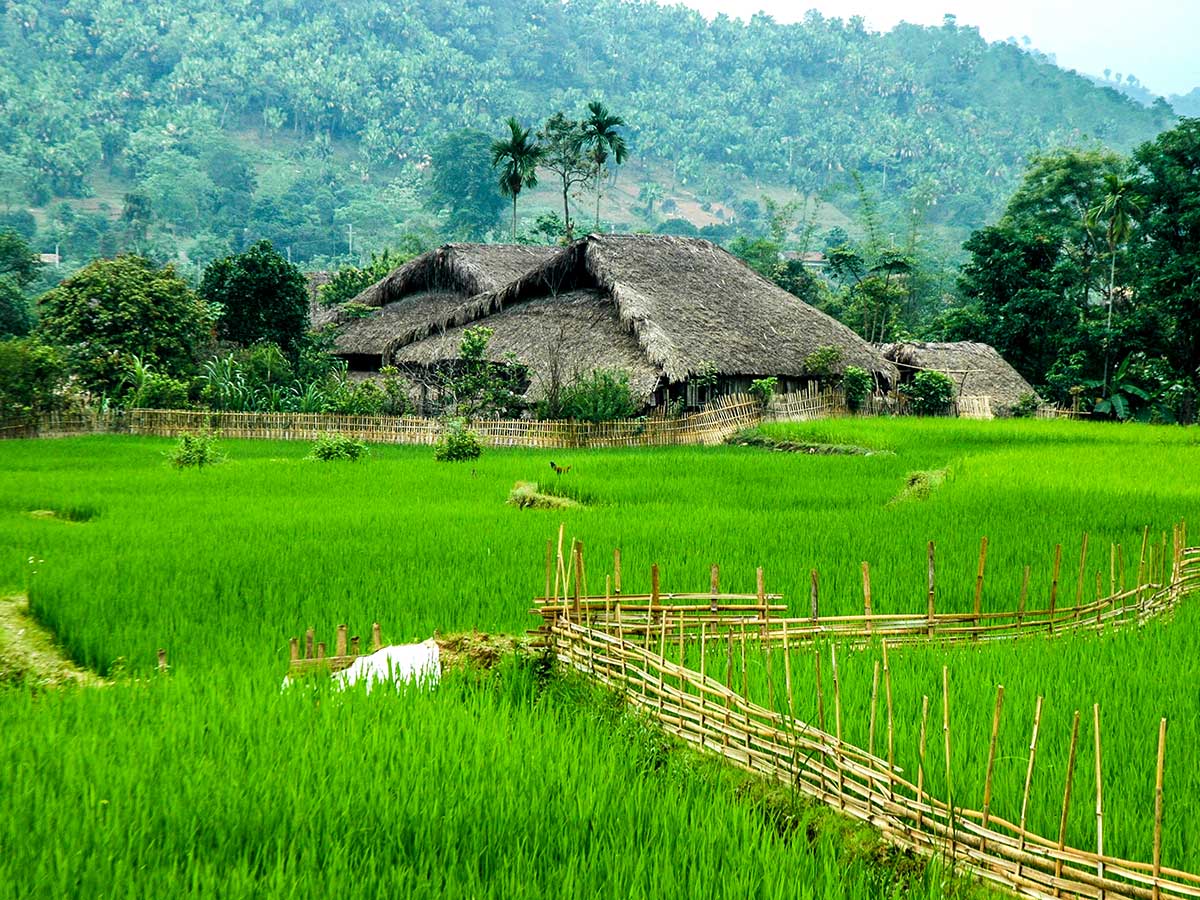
295,119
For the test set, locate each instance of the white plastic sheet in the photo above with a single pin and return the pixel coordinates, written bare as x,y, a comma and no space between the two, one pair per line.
401,664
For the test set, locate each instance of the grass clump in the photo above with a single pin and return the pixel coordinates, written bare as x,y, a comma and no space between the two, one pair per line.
756,437
337,446
195,451
920,485
525,495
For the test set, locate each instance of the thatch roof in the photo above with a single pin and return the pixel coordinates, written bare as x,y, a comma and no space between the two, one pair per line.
575,332
688,304
976,368
421,296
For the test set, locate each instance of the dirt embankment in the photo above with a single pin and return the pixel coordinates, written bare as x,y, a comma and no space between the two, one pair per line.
29,654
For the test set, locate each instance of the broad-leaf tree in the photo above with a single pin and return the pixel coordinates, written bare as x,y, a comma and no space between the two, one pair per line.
260,297
460,184
565,156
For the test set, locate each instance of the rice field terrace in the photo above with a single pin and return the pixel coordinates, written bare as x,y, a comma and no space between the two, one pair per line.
212,780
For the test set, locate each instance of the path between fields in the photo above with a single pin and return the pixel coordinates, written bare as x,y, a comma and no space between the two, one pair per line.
29,653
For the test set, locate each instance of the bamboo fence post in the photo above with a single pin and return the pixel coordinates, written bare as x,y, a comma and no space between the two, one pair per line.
549,563
921,755
1158,805
654,598
320,649
762,602
820,691
354,642
582,572
787,673
682,648
891,750
983,548
559,574
991,764
745,678
162,660
1141,577
728,684
376,638
608,599
1099,796
866,575
293,649
714,586
837,724
1112,568
577,564
308,644
340,645
814,600
703,671
1037,721
946,733
1099,600
874,705
1054,584
1121,567
1082,571
1023,598
1066,804
617,571
931,588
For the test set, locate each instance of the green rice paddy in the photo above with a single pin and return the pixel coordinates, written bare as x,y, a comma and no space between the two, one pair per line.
212,780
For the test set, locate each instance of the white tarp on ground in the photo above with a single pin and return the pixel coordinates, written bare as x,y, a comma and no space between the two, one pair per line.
401,664
404,663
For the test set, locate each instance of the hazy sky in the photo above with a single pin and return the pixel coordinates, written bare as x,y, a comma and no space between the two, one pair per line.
1156,40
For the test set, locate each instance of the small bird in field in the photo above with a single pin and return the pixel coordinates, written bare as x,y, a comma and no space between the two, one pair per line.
560,470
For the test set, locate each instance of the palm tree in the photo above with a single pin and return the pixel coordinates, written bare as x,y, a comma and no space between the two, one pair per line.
518,157
602,139
1119,209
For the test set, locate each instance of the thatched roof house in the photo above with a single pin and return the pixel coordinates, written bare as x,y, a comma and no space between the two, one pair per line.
423,295
662,308
977,369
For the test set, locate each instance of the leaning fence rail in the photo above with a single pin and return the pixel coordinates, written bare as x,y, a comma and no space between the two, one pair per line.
624,641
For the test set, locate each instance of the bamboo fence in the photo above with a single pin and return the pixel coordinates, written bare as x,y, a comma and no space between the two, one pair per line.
713,424
621,641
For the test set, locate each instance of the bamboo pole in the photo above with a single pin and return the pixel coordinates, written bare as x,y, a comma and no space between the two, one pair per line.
1099,795
376,637
946,733
820,690
715,586
703,669
1141,576
814,598
617,571
549,564
891,748
1158,804
787,673
983,548
1054,584
340,643
1024,596
308,644
991,763
866,576
1037,721
762,601
1112,568
931,587
1082,571
293,649
1066,804
1121,567
921,756
560,577
654,600
837,720
874,705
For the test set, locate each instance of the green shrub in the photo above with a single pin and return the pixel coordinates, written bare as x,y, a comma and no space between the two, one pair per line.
338,446
1026,406
929,393
857,384
764,389
160,392
824,364
32,378
602,396
195,451
459,443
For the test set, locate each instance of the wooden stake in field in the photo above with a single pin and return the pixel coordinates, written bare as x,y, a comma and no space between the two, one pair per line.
820,690
814,601
1024,596
921,756
703,669
866,575
837,724
1054,584
617,571
787,673
931,589
874,705
340,643
376,638
1082,571
1099,796
1066,804
1158,805
714,586
1141,576
1037,722
549,565
991,764
946,733
762,603
891,749
983,548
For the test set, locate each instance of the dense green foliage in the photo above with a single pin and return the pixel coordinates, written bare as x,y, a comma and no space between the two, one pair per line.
31,377
18,269
333,446
857,385
182,103
1094,269
114,311
260,298
602,395
458,443
929,393
195,451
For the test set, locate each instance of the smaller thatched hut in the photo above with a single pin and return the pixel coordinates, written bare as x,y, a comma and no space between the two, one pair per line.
977,369
422,298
